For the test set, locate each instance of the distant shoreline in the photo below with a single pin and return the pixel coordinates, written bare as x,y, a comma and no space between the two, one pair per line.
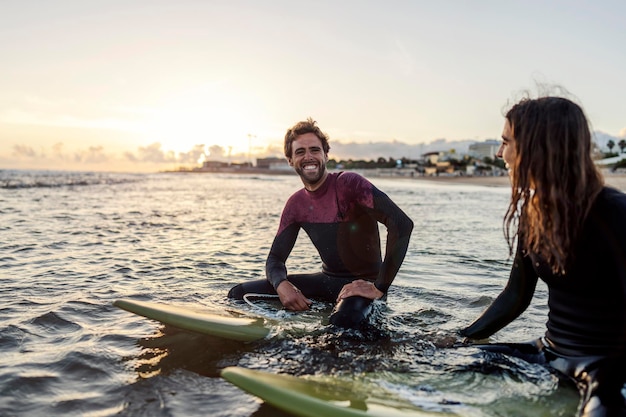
616,180
611,179
489,181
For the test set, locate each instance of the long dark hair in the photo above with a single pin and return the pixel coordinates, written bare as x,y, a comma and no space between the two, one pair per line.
554,179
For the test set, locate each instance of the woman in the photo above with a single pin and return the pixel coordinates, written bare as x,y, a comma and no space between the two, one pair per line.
571,232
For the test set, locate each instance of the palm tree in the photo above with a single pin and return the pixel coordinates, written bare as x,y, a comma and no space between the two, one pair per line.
610,144
622,145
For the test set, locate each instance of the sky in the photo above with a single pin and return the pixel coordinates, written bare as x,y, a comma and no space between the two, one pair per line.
145,85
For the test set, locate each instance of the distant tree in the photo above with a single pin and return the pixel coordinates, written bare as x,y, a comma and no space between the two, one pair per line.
482,168
610,144
622,145
499,162
384,163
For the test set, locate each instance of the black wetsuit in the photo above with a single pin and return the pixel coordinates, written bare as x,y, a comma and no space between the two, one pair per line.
341,219
586,327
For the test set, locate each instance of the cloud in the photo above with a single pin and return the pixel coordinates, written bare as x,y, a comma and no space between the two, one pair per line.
193,156
216,151
24,151
57,149
93,155
153,154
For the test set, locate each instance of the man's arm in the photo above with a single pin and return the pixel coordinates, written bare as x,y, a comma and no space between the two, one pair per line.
399,228
511,302
276,271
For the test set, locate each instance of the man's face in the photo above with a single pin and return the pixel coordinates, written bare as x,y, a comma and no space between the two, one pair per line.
309,160
507,149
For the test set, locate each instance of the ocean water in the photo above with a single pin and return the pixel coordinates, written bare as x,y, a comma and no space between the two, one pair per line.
73,242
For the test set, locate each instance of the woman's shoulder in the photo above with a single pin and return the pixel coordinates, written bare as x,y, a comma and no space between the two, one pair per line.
611,199
613,194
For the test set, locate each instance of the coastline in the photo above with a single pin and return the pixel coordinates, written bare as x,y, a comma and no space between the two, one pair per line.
616,180
612,180
488,181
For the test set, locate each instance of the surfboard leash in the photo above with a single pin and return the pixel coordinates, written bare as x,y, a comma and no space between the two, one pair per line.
255,295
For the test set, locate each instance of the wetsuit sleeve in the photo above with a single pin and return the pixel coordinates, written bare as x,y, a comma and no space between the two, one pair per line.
399,228
275,269
511,302
614,227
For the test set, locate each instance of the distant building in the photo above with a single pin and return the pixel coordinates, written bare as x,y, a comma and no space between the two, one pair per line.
486,149
267,162
214,164
432,157
272,163
437,167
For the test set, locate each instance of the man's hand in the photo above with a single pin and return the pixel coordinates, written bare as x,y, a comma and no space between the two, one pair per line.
362,288
291,297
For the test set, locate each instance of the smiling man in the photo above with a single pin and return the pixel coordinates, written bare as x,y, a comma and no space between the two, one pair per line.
340,213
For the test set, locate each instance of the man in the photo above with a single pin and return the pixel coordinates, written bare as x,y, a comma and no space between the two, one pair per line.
340,213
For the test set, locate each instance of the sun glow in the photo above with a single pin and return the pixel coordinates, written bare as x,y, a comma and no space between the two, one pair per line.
201,119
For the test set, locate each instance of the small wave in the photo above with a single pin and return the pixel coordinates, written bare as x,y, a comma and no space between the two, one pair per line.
15,180
11,337
53,322
33,384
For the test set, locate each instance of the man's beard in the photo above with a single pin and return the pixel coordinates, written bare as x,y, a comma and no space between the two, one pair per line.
308,179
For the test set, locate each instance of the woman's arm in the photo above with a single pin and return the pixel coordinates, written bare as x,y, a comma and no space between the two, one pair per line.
511,302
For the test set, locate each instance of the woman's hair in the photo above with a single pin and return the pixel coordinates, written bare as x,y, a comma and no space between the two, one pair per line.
300,128
554,179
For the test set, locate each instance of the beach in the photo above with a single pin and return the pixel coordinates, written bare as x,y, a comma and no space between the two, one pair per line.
614,180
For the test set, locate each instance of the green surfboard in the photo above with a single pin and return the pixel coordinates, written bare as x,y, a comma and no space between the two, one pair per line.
304,397
228,327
